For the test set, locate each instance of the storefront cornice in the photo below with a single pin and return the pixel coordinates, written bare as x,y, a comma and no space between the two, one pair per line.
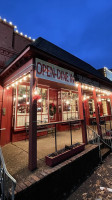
66,65
14,62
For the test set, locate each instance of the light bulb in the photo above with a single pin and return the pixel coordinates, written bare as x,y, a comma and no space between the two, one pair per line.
24,95
10,23
24,78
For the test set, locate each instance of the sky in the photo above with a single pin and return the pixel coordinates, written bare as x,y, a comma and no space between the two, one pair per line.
81,27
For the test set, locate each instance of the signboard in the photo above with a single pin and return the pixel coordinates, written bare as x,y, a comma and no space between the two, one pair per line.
54,73
86,80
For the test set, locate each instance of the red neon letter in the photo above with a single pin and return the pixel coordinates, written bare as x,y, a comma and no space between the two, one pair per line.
58,74
43,69
39,68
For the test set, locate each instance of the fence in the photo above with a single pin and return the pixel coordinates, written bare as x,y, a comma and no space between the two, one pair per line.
7,182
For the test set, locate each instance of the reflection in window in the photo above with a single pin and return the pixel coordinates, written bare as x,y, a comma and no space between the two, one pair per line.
70,105
42,106
21,98
91,107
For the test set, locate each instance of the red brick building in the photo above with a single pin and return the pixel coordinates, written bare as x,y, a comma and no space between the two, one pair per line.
11,42
45,85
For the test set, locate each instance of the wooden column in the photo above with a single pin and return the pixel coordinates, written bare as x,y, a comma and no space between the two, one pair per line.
87,111
97,112
80,101
82,115
32,124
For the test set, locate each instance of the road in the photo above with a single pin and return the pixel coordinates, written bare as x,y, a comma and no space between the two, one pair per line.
98,186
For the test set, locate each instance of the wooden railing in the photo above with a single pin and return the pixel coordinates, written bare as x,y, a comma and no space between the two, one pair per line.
7,182
53,125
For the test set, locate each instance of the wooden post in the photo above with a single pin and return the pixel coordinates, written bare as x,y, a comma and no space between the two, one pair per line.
87,111
97,113
82,115
55,140
80,101
32,124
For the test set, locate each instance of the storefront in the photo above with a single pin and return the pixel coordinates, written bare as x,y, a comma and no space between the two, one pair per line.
46,85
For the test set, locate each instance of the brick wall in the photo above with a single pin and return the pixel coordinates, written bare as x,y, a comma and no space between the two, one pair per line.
11,43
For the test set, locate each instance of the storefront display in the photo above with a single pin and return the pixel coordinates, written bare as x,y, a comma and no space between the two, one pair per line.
52,105
21,95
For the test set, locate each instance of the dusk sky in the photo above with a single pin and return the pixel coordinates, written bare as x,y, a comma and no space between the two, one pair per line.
81,27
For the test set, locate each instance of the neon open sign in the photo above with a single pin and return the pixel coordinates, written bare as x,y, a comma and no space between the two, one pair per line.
53,72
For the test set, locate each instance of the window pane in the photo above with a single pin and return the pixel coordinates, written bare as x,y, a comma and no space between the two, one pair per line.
22,94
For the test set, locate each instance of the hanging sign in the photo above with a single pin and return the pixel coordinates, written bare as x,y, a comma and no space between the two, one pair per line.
54,73
86,80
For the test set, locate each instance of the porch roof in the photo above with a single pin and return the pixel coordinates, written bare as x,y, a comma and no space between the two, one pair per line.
65,56
59,53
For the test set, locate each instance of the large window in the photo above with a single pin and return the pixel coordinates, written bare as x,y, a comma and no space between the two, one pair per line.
70,107
91,107
42,106
66,103
21,102
104,105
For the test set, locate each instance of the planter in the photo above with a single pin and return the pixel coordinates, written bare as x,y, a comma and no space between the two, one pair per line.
63,154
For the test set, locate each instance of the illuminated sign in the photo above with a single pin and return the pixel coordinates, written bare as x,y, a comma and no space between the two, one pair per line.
54,73
108,73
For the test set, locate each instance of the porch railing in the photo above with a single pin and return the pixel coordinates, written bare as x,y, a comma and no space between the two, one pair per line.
71,123
7,182
94,138
106,136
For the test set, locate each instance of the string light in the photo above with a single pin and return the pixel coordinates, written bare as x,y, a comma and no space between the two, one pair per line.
18,81
67,102
35,92
99,99
7,87
24,78
4,20
39,100
15,27
24,95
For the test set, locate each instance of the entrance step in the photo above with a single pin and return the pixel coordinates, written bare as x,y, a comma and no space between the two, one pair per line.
105,152
58,180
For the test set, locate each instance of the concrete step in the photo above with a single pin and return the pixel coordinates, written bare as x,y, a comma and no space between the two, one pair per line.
105,151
